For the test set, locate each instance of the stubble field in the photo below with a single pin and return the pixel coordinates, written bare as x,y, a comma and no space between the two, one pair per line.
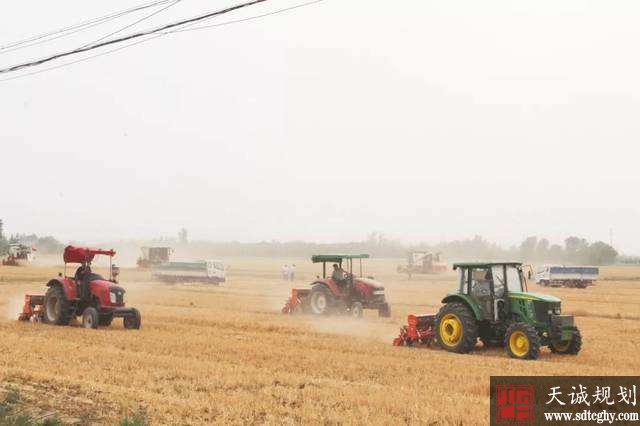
227,355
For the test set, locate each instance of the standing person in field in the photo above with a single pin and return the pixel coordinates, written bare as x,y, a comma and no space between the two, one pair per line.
292,272
285,272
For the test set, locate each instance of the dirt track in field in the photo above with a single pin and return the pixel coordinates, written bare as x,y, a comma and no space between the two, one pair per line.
227,355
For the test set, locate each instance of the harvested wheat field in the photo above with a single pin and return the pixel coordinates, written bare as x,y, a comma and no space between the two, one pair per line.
227,355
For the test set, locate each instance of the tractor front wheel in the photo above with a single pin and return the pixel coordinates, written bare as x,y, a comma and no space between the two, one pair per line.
57,309
384,311
357,310
90,318
320,300
132,322
457,328
522,341
568,347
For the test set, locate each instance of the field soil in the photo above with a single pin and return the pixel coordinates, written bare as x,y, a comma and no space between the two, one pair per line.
226,354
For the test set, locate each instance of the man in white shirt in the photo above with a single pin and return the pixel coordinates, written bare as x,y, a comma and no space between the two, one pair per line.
292,272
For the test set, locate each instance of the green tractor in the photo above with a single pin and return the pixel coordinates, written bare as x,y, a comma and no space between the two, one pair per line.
492,303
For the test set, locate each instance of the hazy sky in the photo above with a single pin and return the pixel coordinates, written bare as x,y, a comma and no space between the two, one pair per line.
426,120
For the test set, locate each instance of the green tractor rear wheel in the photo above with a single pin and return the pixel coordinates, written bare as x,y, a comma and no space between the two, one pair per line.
568,347
457,328
522,341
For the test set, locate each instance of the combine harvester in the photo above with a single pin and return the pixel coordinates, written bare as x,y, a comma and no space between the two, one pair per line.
492,303
422,262
18,254
152,256
567,276
349,295
204,271
85,294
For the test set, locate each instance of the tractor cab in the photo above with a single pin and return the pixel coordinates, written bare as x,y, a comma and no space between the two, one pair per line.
345,291
347,271
489,284
84,256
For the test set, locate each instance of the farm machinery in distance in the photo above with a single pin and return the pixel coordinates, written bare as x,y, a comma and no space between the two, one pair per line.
341,292
492,303
422,262
153,256
97,300
17,254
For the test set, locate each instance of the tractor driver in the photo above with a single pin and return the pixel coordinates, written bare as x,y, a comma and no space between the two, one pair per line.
82,280
340,277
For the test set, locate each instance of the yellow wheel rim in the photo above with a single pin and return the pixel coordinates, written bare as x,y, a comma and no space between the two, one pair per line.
450,330
519,343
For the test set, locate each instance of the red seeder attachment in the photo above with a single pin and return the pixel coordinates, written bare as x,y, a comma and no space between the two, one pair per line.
421,331
33,308
296,303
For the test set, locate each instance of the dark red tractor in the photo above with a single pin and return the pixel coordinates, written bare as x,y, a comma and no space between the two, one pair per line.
342,292
86,294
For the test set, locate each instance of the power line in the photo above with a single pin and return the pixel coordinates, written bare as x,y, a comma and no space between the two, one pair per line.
180,30
129,37
82,59
72,29
157,35
144,18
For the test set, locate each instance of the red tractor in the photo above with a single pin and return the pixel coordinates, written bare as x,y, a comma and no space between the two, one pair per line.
341,293
85,294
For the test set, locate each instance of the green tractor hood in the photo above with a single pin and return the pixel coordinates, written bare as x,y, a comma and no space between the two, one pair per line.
535,297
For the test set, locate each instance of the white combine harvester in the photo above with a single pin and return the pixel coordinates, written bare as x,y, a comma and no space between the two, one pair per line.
422,262
205,271
19,254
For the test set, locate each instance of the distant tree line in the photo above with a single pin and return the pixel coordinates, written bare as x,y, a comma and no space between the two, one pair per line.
574,250
46,245
3,241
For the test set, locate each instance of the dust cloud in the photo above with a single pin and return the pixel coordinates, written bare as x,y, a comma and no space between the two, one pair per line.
13,307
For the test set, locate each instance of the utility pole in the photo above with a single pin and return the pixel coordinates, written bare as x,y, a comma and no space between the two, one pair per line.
611,237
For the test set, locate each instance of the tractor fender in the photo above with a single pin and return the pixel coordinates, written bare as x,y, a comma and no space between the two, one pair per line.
67,285
463,298
330,285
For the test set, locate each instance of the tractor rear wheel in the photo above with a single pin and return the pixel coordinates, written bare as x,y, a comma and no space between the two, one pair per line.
132,322
568,347
457,328
522,341
90,318
57,309
320,300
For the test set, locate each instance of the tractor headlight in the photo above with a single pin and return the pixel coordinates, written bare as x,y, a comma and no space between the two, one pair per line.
112,297
378,292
